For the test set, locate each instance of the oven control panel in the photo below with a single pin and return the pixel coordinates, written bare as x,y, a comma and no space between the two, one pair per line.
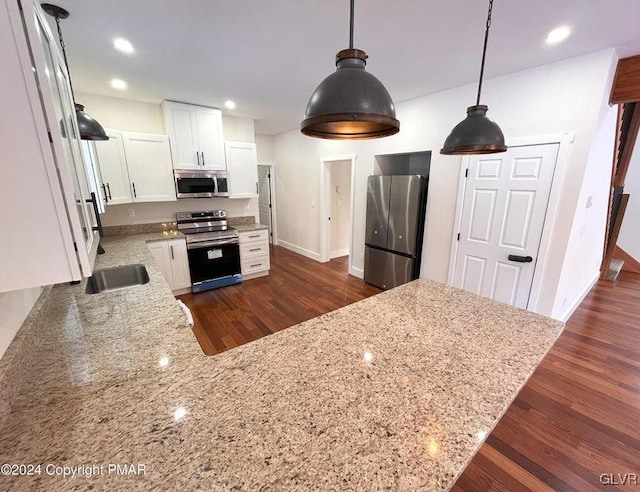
206,214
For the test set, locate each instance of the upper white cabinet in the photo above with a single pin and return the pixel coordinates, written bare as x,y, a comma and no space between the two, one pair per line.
113,168
44,189
136,167
195,134
242,166
149,164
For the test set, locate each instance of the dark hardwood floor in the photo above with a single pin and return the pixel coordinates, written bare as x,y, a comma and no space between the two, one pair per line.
296,289
576,423
574,426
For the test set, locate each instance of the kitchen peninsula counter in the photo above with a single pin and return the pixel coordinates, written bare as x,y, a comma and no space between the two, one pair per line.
393,392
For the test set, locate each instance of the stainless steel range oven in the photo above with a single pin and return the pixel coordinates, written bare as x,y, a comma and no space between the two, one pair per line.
212,247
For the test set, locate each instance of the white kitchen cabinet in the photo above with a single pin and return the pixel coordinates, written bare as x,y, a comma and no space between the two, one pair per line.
195,133
242,169
113,168
48,224
136,167
171,256
254,253
94,176
149,164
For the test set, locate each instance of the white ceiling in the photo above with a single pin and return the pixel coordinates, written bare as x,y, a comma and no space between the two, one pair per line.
269,55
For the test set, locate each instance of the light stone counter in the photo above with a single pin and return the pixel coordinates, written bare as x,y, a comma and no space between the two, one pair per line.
394,392
249,227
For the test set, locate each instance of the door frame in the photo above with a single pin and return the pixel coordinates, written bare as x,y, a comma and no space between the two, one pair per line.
272,190
325,205
563,140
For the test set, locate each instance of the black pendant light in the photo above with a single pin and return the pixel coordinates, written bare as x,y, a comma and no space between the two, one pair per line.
89,128
350,103
476,134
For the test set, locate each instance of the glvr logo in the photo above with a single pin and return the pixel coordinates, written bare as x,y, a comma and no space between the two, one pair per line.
619,479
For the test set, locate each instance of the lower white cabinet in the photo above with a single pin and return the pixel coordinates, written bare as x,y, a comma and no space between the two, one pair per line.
172,259
254,253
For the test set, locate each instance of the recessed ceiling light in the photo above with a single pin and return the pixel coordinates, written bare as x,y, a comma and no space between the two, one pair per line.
123,45
230,104
118,84
558,34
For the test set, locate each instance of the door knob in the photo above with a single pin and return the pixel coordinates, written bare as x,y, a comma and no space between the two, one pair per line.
520,259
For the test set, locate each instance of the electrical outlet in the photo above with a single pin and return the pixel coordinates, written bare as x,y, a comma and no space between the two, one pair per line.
132,212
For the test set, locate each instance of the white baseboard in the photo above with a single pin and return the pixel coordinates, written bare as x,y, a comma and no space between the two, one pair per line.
301,251
357,272
338,253
574,305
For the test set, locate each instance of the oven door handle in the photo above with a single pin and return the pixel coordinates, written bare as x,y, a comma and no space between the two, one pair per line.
207,244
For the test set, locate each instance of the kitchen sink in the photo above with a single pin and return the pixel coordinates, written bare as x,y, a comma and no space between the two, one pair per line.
116,278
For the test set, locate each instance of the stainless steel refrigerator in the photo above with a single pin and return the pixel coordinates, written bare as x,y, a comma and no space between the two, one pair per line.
395,226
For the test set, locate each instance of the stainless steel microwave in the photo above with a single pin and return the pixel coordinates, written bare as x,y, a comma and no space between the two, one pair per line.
198,183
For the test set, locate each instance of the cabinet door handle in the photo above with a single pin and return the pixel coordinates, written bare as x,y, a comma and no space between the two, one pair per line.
257,189
172,257
255,235
255,249
253,266
109,190
134,190
197,158
104,193
202,158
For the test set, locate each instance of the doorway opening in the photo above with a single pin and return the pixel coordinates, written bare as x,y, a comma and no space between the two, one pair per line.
337,185
266,199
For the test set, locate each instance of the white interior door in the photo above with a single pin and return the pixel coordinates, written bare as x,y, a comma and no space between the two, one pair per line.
264,198
505,203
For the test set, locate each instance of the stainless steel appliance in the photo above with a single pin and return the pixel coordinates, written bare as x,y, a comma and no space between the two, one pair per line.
212,247
198,183
396,208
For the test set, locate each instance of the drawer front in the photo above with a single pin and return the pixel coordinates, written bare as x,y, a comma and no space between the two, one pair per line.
253,249
247,237
254,265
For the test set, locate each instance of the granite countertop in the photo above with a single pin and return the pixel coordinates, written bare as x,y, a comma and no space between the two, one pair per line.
249,227
394,392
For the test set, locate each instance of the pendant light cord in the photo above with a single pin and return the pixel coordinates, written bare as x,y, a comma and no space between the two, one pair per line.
64,55
484,51
351,25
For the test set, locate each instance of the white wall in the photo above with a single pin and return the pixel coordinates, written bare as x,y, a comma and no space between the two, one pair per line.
583,257
123,114
629,238
551,99
340,207
15,306
266,148
148,213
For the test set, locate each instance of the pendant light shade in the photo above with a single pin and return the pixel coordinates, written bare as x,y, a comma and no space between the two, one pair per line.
350,103
89,128
476,134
